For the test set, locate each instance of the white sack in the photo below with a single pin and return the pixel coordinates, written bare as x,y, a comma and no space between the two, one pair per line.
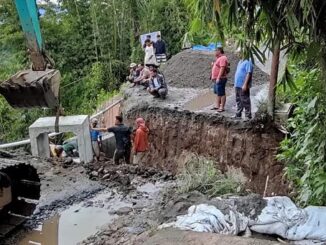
207,218
282,217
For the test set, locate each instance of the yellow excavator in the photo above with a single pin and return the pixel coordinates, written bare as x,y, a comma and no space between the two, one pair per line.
35,87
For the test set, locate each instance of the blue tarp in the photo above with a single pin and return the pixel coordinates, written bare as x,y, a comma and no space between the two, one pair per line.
210,47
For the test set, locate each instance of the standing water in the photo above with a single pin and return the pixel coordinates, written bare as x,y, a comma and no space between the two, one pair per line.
82,220
77,222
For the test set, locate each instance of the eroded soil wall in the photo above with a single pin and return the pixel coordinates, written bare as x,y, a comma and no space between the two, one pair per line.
251,146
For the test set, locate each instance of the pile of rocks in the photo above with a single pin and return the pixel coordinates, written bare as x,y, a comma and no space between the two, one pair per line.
124,174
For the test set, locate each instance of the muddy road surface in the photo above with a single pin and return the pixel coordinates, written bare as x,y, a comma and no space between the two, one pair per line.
103,203
78,200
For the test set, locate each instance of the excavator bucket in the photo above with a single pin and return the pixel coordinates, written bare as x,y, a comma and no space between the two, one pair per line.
27,89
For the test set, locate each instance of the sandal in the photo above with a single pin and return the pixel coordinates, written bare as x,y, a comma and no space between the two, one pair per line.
220,110
214,108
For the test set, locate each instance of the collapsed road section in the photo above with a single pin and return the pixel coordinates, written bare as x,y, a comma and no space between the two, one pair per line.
127,202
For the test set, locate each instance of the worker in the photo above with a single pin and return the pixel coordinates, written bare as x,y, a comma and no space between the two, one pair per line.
94,138
140,142
157,85
65,150
160,50
219,78
242,84
122,135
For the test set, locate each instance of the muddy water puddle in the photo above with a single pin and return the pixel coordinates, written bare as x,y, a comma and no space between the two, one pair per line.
205,99
82,220
69,227
77,222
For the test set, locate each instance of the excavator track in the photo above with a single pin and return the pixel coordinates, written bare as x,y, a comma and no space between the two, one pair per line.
25,189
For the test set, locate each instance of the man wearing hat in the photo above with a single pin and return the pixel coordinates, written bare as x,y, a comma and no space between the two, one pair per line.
133,73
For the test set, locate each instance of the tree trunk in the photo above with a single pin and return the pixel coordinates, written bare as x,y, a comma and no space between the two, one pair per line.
273,79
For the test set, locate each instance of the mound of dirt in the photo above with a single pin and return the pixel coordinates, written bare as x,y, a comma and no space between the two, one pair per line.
192,69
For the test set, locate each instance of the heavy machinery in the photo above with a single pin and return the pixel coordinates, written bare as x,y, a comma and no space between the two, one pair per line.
35,87
38,86
19,193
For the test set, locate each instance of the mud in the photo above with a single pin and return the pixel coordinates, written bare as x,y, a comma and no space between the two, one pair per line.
177,237
139,226
61,186
192,69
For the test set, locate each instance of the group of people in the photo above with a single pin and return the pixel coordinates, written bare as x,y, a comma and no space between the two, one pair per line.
150,78
129,142
155,52
242,83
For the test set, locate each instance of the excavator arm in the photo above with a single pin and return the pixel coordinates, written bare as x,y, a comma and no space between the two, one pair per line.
28,16
38,86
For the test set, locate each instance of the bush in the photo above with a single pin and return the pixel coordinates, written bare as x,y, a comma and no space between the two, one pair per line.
304,150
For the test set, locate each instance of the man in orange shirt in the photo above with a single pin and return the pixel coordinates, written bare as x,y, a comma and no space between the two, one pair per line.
218,76
140,146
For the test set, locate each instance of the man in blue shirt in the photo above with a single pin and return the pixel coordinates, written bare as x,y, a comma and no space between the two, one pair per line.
94,137
242,84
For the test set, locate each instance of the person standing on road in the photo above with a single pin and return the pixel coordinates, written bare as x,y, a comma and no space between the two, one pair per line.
122,135
140,146
160,50
150,58
242,84
94,138
219,78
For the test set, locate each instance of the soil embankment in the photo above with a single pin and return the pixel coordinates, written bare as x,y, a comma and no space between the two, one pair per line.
175,132
250,146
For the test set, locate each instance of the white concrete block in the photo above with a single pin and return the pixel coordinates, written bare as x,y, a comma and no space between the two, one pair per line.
79,125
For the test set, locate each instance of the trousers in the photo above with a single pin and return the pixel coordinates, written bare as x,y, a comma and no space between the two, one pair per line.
243,102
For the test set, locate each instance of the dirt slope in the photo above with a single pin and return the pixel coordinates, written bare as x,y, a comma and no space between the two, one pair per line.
250,146
192,69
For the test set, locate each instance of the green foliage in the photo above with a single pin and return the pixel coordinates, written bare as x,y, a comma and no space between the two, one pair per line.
202,175
92,43
304,151
168,16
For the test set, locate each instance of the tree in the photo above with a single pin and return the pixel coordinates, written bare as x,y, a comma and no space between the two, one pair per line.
280,24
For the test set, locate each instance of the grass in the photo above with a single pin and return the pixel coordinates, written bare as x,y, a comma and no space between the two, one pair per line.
202,175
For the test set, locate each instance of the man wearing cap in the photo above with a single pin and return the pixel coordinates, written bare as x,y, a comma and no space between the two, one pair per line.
94,138
157,86
140,146
133,73
160,50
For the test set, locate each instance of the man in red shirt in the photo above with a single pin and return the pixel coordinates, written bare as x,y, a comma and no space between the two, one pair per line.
218,76
140,146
